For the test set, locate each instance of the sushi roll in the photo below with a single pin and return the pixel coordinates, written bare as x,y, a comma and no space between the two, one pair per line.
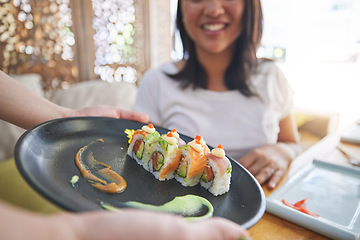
217,173
165,156
180,141
192,162
140,143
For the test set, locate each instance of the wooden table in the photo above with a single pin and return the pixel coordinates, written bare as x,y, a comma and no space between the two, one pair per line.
273,227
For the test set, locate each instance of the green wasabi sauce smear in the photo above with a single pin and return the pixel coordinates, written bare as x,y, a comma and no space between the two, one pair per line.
191,207
74,180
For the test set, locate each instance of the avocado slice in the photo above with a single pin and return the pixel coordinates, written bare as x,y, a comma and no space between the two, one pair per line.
182,169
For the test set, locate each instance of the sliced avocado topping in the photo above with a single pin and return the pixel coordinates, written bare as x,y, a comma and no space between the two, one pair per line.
151,137
164,144
185,147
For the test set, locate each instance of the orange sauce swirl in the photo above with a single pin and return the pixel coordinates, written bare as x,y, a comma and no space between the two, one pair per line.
115,183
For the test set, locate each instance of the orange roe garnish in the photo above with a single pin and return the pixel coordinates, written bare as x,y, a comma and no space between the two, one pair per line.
220,146
197,139
151,125
173,130
169,134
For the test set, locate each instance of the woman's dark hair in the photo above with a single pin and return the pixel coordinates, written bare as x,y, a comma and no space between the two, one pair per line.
244,58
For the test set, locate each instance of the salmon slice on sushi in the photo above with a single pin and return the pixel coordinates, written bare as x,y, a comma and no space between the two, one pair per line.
217,172
165,157
140,144
192,162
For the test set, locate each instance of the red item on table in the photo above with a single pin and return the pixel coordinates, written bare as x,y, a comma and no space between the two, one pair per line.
300,207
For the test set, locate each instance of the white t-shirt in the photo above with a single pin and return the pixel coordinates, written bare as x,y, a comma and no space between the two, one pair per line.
237,122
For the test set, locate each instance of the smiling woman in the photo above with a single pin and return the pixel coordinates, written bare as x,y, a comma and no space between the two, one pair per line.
222,91
316,48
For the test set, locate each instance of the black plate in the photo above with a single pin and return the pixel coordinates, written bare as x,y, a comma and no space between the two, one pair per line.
45,157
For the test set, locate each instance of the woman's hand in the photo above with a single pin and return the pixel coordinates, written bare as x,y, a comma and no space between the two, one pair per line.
138,224
24,108
128,224
269,163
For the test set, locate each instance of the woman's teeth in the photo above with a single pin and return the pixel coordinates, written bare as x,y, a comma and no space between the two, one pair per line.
214,27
